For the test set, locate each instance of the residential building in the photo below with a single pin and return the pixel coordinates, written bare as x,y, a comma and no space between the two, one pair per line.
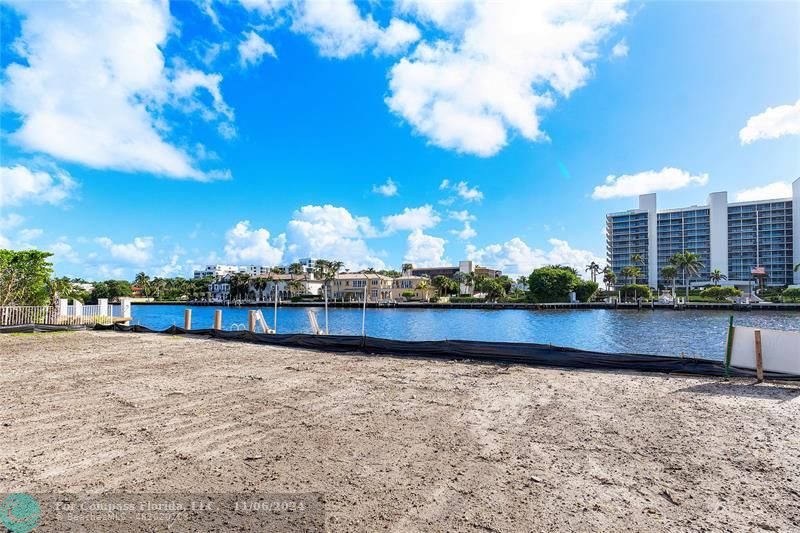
464,267
351,287
220,271
739,239
408,283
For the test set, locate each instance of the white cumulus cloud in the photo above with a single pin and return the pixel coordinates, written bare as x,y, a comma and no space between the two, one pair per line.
412,218
666,179
339,30
495,68
773,123
253,48
94,85
466,233
137,252
253,246
387,189
461,216
778,189
515,257
620,49
19,184
424,250
330,232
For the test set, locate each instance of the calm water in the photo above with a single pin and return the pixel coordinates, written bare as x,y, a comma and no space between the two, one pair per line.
696,333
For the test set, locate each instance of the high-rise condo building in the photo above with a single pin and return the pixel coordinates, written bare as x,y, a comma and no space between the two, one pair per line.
739,239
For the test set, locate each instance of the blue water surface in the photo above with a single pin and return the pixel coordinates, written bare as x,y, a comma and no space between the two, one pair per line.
660,332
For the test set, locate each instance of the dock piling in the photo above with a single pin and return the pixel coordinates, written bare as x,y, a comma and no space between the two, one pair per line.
218,319
187,319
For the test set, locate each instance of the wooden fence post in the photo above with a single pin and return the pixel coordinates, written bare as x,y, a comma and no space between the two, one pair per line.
218,319
729,348
759,358
187,319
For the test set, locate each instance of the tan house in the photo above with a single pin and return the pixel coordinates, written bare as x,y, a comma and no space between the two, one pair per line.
351,287
408,283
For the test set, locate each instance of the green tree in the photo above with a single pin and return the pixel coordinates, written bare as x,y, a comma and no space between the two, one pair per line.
24,277
689,264
716,276
111,289
593,269
142,281
327,272
424,286
632,273
552,283
585,290
609,278
670,273
493,288
442,284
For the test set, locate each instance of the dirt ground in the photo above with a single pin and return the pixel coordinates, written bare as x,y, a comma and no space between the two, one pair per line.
398,444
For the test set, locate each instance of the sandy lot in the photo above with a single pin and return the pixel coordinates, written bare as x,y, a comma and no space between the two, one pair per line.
398,444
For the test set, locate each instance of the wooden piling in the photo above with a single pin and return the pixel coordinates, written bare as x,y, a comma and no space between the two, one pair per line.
187,319
759,358
251,321
218,319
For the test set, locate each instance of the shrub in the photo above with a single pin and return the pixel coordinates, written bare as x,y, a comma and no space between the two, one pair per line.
635,291
466,300
720,293
407,294
791,295
552,284
585,290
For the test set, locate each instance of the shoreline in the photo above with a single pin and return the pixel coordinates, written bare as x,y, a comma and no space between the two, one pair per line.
694,306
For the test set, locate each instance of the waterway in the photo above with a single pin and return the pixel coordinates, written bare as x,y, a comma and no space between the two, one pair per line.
661,332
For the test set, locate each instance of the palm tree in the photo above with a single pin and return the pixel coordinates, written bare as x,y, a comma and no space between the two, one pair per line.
689,264
593,269
716,276
670,273
441,284
142,281
327,271
609,278
424,287
295,286
259,284
632,273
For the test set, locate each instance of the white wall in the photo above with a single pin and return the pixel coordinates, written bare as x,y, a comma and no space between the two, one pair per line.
780,350
796,227
718,210
647,202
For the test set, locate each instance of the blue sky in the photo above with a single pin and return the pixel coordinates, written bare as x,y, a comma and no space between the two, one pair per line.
161,137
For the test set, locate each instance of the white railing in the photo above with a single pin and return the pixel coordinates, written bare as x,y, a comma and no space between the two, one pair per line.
87,315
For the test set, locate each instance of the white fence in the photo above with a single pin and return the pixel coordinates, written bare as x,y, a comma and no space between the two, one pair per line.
781,349
64,314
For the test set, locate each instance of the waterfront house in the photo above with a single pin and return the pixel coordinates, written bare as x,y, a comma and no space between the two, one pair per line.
410,284
350,287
